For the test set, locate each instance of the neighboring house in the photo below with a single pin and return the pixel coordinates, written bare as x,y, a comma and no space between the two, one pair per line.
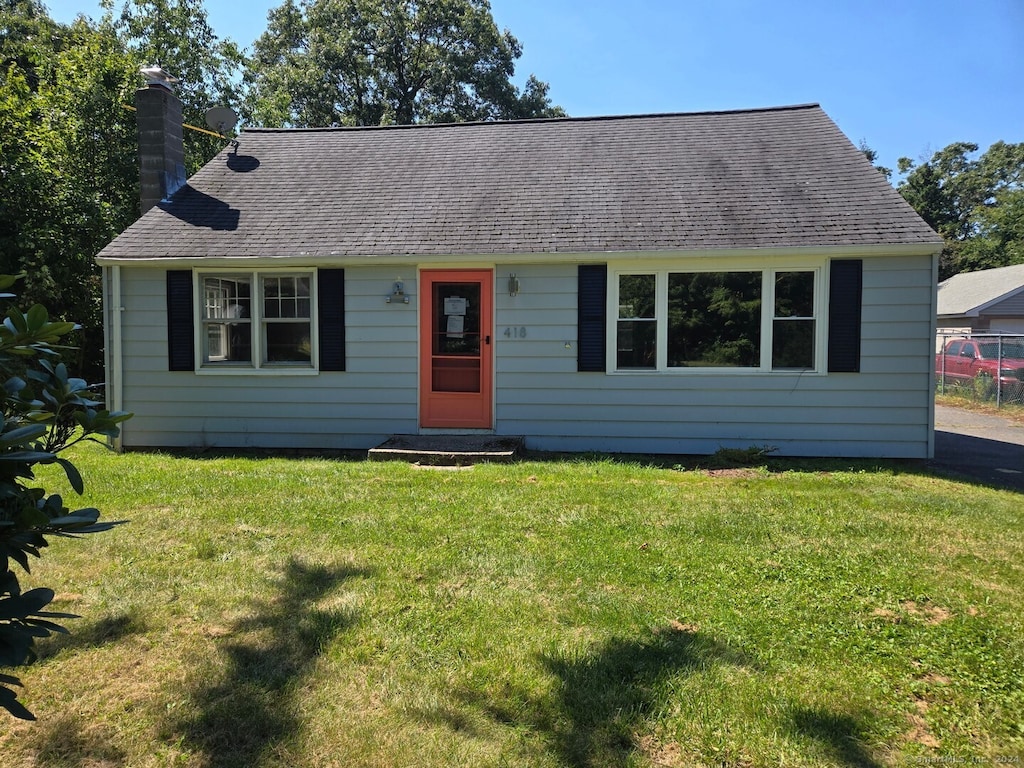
988,301
664,283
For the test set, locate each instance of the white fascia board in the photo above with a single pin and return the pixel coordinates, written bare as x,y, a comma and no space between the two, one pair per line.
340,260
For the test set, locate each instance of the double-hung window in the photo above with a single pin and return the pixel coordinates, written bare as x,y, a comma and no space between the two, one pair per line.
793,321
257,320
752,319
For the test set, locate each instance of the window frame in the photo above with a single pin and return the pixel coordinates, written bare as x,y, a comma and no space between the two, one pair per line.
257,322
661,271
209,325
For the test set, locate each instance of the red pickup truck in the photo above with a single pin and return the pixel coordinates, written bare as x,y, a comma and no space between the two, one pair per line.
976,362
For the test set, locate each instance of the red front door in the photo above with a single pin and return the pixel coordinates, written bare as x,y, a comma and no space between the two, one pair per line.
455,349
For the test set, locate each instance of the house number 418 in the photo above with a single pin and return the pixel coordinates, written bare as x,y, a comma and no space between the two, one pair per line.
516,333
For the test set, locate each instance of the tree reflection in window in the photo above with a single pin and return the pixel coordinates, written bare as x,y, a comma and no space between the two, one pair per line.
637,329
714,319
793,322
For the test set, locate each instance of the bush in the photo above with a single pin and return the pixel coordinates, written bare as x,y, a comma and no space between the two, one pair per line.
45,411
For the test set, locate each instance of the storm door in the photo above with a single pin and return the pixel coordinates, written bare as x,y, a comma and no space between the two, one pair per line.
455,349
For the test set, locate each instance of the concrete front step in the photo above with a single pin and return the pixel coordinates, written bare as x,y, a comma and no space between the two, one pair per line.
447,450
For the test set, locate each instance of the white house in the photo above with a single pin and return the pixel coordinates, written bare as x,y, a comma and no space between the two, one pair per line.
661,283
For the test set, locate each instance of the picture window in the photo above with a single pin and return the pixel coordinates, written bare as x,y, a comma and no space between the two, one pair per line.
759,320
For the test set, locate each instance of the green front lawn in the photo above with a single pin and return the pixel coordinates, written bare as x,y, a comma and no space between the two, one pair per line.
311,613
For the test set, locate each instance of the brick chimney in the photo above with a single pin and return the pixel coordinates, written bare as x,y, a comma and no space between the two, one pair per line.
161,148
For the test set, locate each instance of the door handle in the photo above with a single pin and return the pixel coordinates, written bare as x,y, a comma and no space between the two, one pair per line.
487,340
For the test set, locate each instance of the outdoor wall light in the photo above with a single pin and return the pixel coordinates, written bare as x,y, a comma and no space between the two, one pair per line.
513,285
397,294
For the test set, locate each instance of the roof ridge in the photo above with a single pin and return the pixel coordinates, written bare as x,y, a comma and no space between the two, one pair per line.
584,119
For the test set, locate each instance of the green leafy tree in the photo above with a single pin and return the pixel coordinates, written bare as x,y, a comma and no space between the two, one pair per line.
68,146
177,35
68,175
378,62
973,202
999,238
872,156
45,411
24,43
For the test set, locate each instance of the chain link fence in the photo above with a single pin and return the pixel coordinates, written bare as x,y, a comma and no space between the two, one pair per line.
984,367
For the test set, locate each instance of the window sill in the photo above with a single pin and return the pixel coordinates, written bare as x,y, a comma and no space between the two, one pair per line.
216,370
713,372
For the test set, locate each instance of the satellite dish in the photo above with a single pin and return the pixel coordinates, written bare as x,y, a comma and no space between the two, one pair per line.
221,119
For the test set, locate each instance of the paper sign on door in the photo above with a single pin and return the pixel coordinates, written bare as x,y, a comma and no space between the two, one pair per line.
456,325
455,310
455,305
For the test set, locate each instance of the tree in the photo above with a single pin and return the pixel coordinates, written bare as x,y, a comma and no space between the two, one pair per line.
45,411
871,155
177,35
999,239
379,62
69,149
68,179
975,204
26,32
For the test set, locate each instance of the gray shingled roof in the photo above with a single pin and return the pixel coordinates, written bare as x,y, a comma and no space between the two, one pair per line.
968,292
783,177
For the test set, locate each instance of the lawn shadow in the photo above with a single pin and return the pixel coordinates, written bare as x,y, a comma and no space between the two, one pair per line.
983,462
605,697
92,634
727,459
987,462
241,715
841,735
202,453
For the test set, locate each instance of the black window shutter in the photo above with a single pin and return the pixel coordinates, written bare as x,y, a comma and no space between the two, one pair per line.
844,315
592,325
181,355
331,317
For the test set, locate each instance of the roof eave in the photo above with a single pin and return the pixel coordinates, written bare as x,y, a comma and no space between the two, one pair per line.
997,300
321,257
975,310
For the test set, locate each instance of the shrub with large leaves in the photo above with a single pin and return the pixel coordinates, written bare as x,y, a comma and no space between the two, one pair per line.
45,411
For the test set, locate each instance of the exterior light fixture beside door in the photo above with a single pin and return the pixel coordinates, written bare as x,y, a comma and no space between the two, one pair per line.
397,294
513,285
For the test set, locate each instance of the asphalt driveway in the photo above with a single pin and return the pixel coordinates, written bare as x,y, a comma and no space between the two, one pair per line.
986,448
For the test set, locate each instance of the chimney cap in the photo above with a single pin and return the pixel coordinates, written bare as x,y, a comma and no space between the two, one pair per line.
158,77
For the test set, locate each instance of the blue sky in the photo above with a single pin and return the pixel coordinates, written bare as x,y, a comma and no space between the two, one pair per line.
906,76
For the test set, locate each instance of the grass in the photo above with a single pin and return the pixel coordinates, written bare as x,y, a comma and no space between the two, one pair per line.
301,613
